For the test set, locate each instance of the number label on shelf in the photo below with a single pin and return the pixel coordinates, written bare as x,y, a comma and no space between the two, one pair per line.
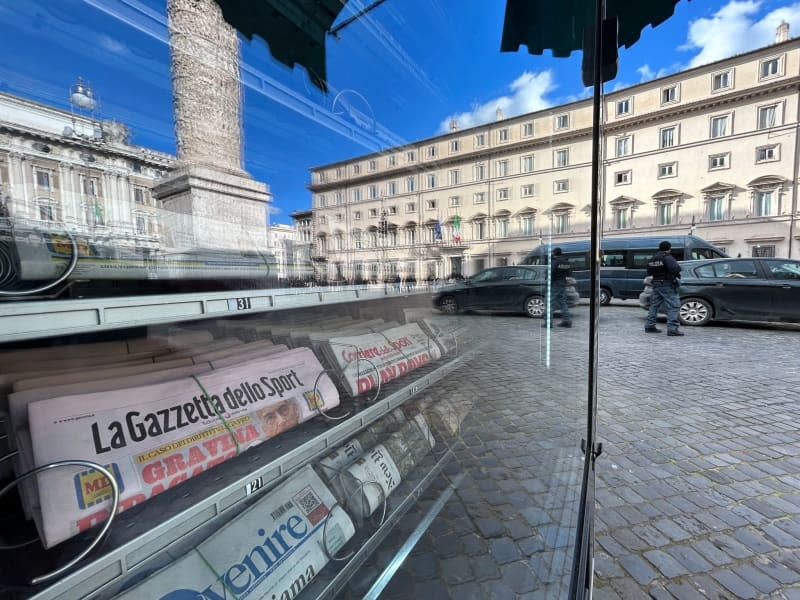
253,486
239,303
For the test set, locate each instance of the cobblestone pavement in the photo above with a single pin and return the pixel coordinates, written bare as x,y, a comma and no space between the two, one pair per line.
698,487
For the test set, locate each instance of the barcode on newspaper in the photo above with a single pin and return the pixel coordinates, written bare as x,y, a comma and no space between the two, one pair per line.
277,513
307,500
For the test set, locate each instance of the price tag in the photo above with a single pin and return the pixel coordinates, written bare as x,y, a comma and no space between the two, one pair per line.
239,303
253,486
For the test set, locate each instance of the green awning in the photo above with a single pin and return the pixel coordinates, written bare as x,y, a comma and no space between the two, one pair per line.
559,25
295,30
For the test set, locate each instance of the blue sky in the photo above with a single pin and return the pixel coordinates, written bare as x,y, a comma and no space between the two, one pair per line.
405,69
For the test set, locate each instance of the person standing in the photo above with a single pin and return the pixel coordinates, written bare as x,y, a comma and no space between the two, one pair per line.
560,269
665,271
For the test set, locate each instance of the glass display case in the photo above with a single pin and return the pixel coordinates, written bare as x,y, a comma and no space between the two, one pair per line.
381,399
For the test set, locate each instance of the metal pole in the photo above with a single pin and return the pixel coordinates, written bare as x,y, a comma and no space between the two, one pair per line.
581,565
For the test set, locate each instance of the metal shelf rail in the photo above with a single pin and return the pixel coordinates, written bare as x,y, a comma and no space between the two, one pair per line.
274,464
49,318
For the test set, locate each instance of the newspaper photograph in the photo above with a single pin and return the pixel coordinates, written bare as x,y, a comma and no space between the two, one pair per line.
273,550
155,437
365,360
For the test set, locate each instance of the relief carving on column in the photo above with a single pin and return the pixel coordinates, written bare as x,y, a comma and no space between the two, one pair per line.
205,80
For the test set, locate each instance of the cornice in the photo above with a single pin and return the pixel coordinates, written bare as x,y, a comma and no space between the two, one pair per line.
494,152
677,110
141,154
554,141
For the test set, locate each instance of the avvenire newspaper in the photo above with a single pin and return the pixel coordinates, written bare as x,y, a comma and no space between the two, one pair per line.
272,550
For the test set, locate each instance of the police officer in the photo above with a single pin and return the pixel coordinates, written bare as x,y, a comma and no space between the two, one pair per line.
665,271
560,269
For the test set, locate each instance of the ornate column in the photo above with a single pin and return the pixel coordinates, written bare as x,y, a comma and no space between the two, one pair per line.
209,200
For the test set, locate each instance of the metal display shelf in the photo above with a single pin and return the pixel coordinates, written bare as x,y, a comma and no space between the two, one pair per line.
401,500
145,533
49,318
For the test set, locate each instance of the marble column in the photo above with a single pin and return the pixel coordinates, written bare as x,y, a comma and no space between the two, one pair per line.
209,200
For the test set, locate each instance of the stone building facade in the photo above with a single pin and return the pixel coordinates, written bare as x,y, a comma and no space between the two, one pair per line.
61,171
711,150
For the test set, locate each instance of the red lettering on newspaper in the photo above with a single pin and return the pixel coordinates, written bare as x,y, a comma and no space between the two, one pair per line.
177,467
390,372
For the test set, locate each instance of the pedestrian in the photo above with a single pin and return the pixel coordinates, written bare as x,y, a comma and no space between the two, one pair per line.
665,272
560,269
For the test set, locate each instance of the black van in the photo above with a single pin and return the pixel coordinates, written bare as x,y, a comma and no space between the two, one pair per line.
623,261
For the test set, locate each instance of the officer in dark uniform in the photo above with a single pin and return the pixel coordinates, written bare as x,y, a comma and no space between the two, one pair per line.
665,271
560,269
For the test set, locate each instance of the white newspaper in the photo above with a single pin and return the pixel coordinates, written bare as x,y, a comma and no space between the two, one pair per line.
374,476
155,437
367,359
273,550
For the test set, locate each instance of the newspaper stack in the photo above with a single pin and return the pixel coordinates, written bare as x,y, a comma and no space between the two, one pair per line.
273,550
368,481
157,436
365,360
332,466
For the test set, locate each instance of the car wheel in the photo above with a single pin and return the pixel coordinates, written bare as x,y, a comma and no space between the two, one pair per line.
448,305
605,297
534,307
695,311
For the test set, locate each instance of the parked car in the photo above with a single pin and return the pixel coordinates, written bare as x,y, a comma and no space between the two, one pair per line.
521,288
623,261
736,289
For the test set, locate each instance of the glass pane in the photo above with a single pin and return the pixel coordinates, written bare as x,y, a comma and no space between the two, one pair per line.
319,304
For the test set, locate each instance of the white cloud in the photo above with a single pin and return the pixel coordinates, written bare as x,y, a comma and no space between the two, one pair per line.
112,45
646,73
528,94
737,28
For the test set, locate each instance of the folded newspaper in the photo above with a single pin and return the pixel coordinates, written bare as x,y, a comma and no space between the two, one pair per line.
332,466
365,360
155,437
368,481
271,551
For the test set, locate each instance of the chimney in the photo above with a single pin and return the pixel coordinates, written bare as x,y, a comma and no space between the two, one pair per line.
782,32
498,114
453,125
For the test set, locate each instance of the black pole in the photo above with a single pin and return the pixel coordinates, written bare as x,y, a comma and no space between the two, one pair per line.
582,558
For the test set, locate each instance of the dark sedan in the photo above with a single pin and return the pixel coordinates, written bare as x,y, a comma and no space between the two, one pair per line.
503,289
737,289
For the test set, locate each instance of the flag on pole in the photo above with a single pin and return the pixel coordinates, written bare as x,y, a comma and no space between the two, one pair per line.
456,224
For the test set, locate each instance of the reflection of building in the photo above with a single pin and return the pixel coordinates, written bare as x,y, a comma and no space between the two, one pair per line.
715,145
304,237
281,242
60,170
